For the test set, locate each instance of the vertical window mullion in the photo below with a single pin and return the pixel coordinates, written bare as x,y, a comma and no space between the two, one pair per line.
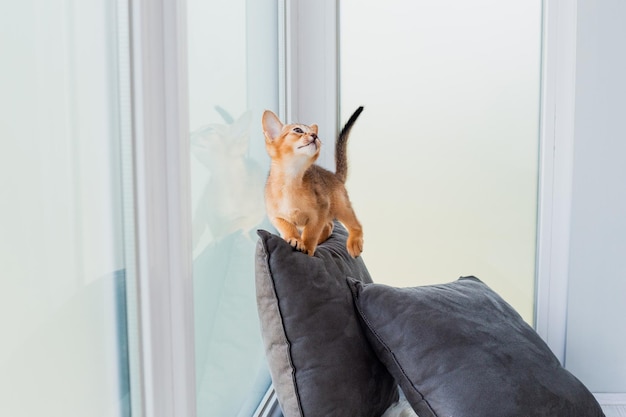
312,67
162,201
555,171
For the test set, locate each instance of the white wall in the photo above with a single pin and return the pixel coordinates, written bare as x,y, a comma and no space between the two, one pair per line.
596,338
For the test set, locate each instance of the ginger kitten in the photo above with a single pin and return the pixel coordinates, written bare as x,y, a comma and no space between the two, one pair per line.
303,199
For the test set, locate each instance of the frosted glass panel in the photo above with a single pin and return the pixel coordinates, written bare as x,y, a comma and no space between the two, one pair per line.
444,157
233,77
62,255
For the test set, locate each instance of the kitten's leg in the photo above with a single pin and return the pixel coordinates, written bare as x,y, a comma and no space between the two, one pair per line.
311,235
328,230
355,232
289,232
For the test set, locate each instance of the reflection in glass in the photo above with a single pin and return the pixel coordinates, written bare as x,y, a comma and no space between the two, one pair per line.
229,356
233,77
232,199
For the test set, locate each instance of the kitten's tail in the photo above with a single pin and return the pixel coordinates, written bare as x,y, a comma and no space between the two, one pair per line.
341,159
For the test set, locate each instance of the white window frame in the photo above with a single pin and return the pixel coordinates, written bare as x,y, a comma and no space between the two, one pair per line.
558,85
311,68
310,94
162,199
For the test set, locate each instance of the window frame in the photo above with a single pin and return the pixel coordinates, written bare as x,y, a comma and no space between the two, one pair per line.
311,79
309,93
556,142
162,203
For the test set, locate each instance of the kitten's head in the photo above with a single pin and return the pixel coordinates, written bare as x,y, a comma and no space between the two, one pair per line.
295,143
219,143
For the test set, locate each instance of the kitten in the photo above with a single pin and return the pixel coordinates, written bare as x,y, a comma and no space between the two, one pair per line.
303,199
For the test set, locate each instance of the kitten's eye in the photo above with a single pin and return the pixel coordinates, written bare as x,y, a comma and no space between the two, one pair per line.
298,130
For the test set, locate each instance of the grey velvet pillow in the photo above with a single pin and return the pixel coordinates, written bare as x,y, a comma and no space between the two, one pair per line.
320,361
459,349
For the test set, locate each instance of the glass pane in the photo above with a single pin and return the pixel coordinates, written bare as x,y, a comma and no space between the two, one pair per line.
64,349
444,157
233,77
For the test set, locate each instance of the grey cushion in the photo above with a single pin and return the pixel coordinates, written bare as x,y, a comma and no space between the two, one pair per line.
459,349
320,361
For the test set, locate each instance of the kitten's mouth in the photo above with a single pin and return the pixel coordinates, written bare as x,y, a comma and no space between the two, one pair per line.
313,142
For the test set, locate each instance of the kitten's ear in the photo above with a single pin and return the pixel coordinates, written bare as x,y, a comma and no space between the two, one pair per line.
314,128
271,125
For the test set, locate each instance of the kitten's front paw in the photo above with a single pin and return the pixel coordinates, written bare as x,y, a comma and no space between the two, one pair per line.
297,244
354,245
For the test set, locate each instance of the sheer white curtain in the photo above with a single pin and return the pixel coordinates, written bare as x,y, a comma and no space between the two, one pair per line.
64,349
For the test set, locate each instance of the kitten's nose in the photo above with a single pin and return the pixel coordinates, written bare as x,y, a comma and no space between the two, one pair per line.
314,136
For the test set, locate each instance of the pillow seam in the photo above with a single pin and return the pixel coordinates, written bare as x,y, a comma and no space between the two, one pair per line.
267,268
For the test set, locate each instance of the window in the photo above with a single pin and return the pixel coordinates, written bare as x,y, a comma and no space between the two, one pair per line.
451,91
233,78
129,203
